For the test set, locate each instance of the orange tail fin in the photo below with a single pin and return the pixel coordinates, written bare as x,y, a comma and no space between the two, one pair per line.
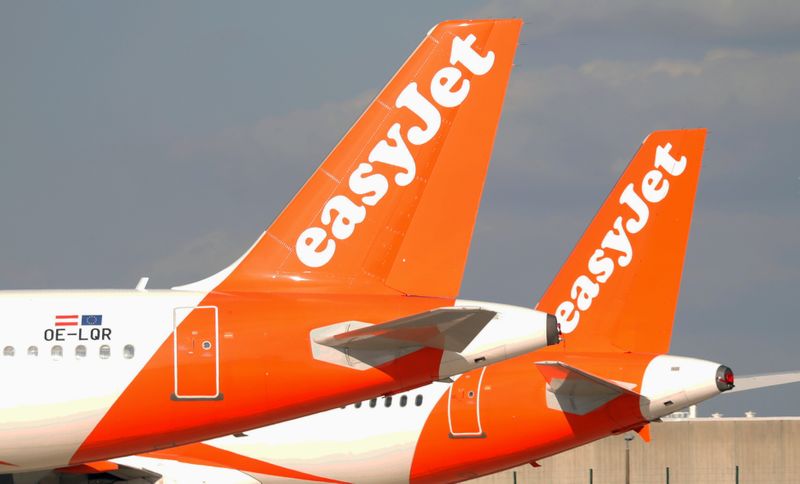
619,287
393,206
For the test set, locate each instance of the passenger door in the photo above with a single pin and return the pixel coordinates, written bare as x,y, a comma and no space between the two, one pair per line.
196,351
464,406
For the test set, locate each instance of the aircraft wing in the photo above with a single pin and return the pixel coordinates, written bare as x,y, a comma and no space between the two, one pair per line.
450,329
752,382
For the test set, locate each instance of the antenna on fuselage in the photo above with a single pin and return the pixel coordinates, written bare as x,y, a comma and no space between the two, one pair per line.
141,286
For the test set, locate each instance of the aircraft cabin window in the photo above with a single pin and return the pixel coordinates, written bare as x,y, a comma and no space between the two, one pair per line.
358,405
418,400
403,401
127,352
387,402
373,402
57,352
80,352
8,351
33,351
105,352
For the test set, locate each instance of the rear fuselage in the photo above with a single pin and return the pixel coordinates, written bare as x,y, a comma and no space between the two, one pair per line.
486,421
90,375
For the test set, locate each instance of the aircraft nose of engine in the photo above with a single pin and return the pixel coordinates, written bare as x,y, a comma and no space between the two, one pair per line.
724,378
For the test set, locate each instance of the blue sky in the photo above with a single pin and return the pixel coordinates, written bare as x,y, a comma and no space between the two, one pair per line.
155,138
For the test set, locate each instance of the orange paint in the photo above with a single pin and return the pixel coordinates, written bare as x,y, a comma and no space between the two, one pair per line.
632,261
512,413
412,240
202,454
90,468
518,426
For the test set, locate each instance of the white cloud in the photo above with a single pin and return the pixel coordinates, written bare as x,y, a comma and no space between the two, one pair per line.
569,131
678,17
302,136
733,251
561,119
765,81
211,251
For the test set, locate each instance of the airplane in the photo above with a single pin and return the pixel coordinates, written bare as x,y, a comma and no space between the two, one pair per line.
351,293
615,298
372,441
375,441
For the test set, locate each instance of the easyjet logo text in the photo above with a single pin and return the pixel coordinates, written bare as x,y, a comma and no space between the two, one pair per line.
341,214
616,249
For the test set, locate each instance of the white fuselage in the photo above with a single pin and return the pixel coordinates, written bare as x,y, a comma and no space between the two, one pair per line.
59,381
361,442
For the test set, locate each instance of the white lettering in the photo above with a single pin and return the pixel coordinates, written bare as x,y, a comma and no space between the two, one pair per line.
630,198
600,266
667,162
348,215
567,316
617,239
416,103
397,155
651,190
654,189
315,246
584,290
308,243
442,87
463,53
373,186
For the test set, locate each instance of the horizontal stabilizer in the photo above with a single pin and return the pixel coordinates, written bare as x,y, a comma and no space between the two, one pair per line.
753,382
450,329
575,391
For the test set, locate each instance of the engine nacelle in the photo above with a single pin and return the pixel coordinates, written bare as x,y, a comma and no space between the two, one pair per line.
671,383
512,332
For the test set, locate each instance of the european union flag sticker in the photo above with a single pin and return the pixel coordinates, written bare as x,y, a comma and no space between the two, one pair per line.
92,320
